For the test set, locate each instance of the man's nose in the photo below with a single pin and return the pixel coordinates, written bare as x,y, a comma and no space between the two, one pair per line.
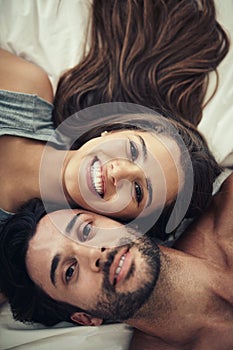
91,256
123,169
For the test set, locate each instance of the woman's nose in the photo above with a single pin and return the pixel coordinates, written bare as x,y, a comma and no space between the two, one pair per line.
122,169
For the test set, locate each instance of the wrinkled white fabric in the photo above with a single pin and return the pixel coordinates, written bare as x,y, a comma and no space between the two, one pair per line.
50,33
62,337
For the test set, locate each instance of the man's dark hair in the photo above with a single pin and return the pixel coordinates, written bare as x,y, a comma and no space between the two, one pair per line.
29,303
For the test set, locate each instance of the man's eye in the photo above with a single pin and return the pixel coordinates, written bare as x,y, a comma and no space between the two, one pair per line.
86,232
133,150
69,272
138,192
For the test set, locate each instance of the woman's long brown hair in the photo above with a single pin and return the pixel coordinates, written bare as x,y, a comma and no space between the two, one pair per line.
156,53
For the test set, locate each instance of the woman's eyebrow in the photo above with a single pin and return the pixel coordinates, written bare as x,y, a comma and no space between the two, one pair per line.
143,144
70,225
148,181
150,190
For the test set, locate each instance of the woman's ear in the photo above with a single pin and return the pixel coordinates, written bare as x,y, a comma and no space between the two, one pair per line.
85,319
104,133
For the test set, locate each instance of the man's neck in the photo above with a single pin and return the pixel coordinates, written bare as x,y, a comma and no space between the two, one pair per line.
192,303
174,306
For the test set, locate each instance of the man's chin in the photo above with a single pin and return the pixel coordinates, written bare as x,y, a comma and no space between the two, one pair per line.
122,306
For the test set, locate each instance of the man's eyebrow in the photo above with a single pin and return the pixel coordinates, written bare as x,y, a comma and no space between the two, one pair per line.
54,266
148,181
70,225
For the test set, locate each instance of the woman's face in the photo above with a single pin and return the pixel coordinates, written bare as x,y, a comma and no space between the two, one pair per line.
124,173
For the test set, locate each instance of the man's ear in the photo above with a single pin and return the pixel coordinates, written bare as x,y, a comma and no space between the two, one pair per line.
86,319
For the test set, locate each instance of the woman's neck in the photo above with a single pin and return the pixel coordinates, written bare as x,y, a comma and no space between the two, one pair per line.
21,172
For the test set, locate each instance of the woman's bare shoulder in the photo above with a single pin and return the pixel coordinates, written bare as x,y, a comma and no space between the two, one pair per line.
19,75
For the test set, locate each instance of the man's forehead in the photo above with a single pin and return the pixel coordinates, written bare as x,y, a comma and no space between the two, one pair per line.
67,224
57,221
51,226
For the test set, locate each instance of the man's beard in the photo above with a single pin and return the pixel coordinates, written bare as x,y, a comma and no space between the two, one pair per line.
118,306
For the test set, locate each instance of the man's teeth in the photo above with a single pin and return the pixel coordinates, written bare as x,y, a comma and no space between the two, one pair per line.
96,177
118,270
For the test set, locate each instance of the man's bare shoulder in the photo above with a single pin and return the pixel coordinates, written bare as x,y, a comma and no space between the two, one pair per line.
223,209
143,341
216,224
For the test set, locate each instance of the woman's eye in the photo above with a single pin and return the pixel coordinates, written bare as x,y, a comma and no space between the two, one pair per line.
86,232
69,273
138,192
133,150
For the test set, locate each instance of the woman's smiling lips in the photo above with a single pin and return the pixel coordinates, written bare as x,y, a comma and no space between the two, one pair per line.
120,267
95,178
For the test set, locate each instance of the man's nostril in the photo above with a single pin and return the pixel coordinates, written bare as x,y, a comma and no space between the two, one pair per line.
103,249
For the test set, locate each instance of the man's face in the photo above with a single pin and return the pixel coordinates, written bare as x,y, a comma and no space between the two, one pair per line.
110,283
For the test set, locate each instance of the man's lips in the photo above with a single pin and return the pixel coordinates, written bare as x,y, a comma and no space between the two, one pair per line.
120,266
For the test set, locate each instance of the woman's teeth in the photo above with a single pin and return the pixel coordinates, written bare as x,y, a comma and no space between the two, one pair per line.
96,178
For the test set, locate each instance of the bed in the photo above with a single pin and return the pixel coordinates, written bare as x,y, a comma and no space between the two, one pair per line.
52,35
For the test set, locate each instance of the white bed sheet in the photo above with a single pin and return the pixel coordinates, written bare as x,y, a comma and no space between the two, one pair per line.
52,34
15,335
217,121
